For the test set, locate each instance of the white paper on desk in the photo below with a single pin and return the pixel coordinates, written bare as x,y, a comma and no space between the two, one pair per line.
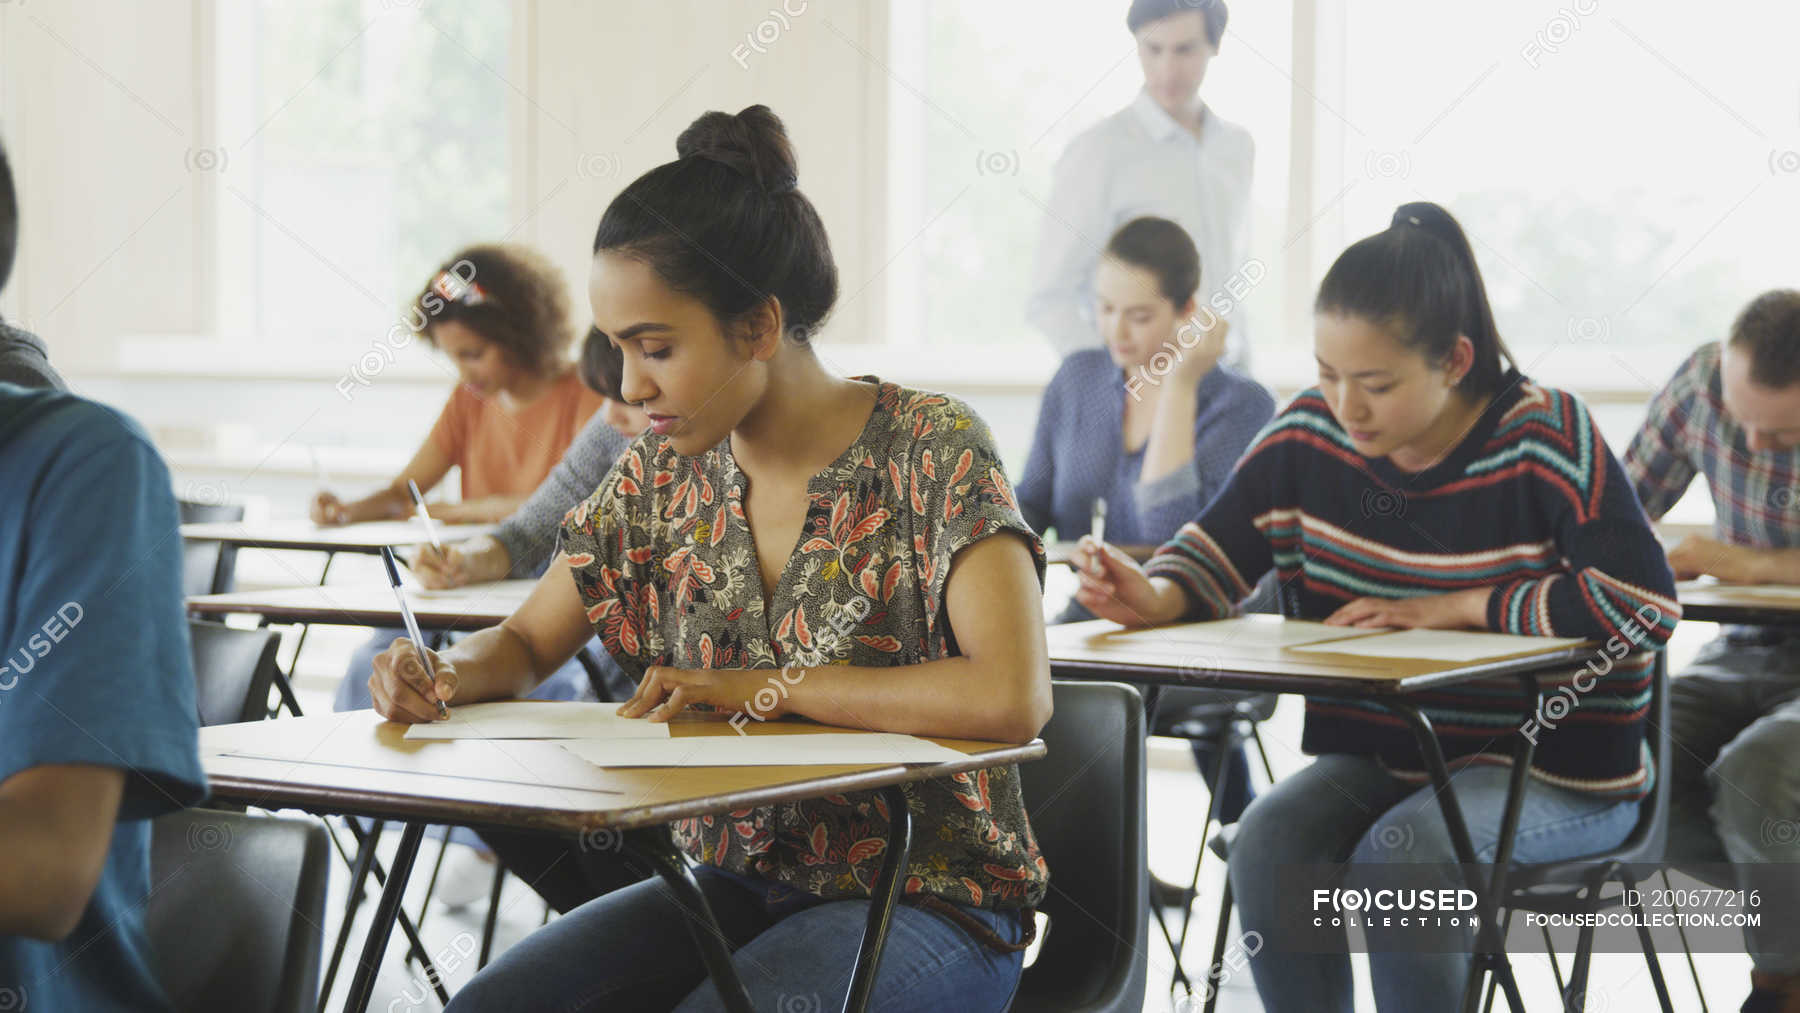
518,719
1440,645
1776,592
825,748
1252,631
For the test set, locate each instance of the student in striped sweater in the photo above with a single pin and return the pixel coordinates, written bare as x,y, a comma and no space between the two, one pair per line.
1423,483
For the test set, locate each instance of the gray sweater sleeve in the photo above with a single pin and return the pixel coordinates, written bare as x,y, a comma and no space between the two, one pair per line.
530,533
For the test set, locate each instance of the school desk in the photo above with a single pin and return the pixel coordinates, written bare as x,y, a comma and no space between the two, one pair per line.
1709,601
1188,655
462,609
1060,553
368,537
356,764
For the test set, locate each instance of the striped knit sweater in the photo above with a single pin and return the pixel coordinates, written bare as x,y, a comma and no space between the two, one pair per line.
1531,503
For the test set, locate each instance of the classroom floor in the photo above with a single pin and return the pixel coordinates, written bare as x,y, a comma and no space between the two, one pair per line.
1619,981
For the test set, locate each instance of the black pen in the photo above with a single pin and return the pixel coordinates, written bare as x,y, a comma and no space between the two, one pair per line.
412,626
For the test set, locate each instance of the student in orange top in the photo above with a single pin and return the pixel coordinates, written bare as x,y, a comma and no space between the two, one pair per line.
501,313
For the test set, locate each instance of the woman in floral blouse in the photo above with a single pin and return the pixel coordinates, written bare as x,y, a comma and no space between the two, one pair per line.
779,517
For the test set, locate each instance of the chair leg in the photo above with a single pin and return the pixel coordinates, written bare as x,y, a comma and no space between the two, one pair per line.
1656,975
1687,951
1487,1005
1218,953
431,884
1256,737
1555,965
493,914
1224,745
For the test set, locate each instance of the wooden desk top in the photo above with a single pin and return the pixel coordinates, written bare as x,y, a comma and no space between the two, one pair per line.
368,537
356,763
1059,552
1189,655
1750,604
474,607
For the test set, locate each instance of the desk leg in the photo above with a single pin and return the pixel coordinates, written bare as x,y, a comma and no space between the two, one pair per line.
655,846
362,983
361,866
1489,953
889,884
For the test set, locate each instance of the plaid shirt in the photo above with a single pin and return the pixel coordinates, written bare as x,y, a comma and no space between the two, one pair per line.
1755,494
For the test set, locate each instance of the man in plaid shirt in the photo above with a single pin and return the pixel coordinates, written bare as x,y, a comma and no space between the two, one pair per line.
1732,414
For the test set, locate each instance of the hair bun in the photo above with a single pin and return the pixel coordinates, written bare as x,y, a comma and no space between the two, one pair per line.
752,143
1428,217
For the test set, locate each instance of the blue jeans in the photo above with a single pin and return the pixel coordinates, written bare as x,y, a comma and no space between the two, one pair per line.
1347,808
1734,789
630,950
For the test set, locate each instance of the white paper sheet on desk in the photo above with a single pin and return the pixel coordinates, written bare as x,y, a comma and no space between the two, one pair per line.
1776,592
1253,631
825,748
1440,645
517,719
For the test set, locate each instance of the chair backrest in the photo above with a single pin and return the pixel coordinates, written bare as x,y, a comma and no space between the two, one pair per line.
1643,849
1085,799
207,567
236,915
233,670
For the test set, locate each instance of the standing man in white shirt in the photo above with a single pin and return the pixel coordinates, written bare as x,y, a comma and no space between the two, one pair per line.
1166,154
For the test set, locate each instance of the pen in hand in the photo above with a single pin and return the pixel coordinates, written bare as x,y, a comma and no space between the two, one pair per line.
412,626
424,515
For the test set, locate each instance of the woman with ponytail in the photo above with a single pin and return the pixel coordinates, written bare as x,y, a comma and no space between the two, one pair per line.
1423,483
856,533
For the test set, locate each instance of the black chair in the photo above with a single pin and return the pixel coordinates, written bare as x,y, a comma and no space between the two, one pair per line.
233,669
236,910
1577,886
207,567
1086,804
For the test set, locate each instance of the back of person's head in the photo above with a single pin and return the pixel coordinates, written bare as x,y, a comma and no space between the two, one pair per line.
726,224
1768,330
1165,250
1417,280
602,364
1143,12
9,218
510,295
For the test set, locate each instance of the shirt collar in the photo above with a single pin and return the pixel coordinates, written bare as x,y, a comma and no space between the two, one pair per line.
1155,119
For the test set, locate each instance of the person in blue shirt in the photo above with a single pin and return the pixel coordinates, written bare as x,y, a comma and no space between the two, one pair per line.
98,724
1151,422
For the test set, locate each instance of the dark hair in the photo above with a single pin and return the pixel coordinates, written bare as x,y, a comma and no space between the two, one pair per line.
602,364
511,295
1164,249
1143,12
1418,279
1769,329
9,219
725,224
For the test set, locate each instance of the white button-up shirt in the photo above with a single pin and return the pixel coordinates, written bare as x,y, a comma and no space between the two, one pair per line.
1140,161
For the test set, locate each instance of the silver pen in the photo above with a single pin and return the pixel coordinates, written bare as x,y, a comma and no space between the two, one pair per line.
412,626
1097,527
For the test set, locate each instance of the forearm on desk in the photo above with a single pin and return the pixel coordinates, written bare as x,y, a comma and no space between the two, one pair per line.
1776,566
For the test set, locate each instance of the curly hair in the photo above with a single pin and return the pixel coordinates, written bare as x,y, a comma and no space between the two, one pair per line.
511,295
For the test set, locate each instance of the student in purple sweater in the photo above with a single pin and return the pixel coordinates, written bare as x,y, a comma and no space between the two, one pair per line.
1423,483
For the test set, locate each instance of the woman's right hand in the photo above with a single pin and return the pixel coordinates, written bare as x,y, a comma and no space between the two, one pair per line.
400,688
328,509
1114,586
438,569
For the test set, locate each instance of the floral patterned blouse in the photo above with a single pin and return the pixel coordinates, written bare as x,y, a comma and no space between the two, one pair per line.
667,568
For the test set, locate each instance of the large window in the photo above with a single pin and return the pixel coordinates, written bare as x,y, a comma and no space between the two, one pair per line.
368,139
1629,172
986,96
